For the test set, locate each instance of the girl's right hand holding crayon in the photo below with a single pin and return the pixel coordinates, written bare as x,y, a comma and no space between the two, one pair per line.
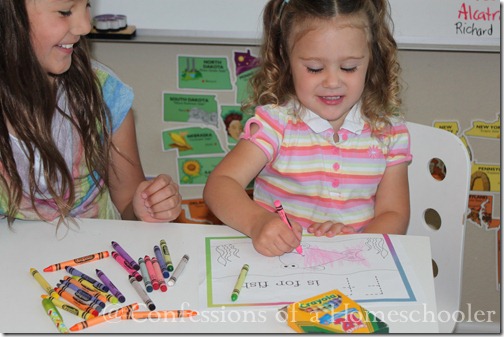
273,237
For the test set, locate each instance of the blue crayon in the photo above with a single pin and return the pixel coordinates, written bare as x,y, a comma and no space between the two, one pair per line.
145,274
113,288
97,284
125,255
96,308
161,261
80,294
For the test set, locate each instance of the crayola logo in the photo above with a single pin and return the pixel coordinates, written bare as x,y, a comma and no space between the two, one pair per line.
85,259
317,301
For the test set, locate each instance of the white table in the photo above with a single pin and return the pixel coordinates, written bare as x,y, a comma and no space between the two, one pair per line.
36,244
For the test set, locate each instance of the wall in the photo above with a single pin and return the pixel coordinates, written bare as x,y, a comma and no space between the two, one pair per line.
453,86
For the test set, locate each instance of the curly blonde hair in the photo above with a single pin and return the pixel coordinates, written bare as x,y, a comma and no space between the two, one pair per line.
273,82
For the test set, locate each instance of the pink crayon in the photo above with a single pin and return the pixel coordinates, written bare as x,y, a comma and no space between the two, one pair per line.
152,273
126,266
159,275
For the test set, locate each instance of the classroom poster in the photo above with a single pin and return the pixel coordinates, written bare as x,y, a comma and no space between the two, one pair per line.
366,267
192,141
245,65
195,170
234,121
204,73
189,108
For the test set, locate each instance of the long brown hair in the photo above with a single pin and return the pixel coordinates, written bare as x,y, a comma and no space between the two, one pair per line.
28,104
273,83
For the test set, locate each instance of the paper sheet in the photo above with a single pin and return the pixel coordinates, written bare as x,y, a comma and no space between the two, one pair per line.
366,267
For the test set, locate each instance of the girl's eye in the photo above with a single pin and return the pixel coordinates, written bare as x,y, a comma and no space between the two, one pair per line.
314,71
349,70
65,13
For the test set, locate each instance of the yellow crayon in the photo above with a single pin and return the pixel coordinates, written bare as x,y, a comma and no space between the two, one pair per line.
71,309
104,318
90,288
43,283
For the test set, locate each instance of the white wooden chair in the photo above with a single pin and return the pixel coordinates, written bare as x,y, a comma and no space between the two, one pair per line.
438,210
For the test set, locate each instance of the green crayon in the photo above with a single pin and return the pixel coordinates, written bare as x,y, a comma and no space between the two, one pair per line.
239,282
54,314
166,254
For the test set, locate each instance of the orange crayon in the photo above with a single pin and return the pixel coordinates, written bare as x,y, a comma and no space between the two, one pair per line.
77,261
158,314
89,291
72,300
104,318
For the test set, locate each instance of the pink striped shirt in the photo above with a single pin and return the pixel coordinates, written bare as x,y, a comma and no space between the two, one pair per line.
316,178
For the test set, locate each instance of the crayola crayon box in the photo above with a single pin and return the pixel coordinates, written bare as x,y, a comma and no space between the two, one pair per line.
332,312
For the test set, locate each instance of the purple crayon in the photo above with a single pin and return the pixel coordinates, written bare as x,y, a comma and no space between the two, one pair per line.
112,287
132,263
126,266
97,284
161,261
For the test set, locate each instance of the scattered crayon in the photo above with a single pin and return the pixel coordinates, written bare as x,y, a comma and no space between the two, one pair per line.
152,273
125,256
126,265
88,278
70,297
166,254
143,295
103,318
77,261
43,283
81,295
145,275
70,308
113,288
54,314
161,261
159,275
89,290
176,273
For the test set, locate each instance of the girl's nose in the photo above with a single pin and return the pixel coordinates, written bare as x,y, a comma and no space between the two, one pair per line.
332,79
82,24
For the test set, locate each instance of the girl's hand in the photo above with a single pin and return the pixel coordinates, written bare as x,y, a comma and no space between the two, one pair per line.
273,237
330,229
157,200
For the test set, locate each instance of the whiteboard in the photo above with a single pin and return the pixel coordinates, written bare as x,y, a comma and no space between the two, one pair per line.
464,24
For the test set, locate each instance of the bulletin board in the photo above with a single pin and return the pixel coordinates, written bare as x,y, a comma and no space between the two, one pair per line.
418,24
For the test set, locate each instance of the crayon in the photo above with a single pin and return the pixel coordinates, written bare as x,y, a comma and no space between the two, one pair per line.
81,295
54,314
43,283
158,314
176,273
91,289
145,275
95,283
143,295
125,256
152,273
81,305
103,318
161,261
166,254
159,275
126,265
239,282
113,288
77,261
281,212
70,308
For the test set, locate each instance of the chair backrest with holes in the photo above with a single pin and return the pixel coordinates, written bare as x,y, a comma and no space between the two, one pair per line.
438,210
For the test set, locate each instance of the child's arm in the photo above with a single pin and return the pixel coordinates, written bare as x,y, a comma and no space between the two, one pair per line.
157,200
225,195
392,207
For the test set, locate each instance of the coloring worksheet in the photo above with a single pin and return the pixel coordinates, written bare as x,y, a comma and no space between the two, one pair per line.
366,267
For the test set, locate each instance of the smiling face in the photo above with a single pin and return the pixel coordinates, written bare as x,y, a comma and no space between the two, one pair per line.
329,62
56,25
